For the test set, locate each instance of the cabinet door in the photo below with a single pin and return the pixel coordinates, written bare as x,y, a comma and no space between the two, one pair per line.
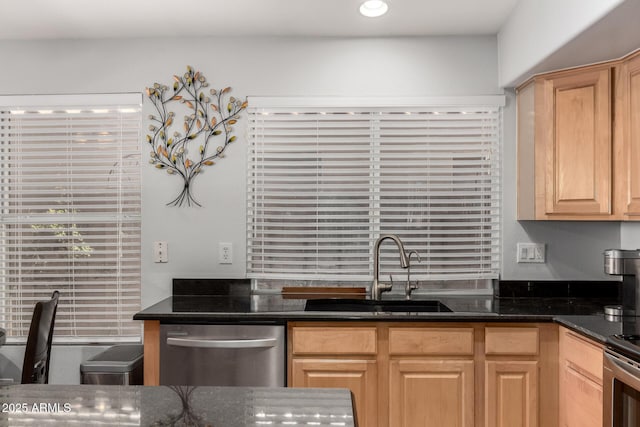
511,393
580,382
628,173
574,126
581,399
431,393
359,376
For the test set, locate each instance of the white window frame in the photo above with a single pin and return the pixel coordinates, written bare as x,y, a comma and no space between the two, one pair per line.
77,314
262,109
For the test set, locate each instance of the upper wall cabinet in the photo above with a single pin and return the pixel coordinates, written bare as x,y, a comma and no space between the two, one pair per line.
578,144
627,157
565,146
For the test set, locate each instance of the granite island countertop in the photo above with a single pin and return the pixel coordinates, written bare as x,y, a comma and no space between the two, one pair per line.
64,405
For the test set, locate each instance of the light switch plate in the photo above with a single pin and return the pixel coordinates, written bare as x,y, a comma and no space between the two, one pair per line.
530,253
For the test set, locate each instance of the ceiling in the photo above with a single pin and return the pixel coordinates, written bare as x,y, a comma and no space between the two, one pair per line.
78,19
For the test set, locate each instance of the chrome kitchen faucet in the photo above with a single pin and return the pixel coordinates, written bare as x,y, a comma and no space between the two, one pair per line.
378,288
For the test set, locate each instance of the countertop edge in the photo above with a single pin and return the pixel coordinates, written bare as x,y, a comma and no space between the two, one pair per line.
593,326
344,316
581,329
283,318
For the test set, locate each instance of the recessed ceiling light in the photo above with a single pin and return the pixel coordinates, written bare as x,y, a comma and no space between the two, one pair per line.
373,8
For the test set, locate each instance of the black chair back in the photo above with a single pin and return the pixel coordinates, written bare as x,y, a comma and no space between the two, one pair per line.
35,368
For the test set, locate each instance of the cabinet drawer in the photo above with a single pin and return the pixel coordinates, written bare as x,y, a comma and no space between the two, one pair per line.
583,355
511,341
341,340
431,341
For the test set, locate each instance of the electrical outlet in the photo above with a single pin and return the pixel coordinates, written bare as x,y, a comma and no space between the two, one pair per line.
530,253
160,252
225,253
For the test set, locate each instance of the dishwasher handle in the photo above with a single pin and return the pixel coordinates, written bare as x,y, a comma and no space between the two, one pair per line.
217,343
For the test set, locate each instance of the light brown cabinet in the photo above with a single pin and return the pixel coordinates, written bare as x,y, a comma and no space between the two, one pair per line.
580,381
565,154
628,131
337,357
511,396
433,374
521,371
512,369
431,393
578,143
358,375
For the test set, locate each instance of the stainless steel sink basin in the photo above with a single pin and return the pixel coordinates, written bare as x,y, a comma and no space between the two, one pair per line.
380,306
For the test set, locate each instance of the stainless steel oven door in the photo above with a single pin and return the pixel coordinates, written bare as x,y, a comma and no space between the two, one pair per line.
621,391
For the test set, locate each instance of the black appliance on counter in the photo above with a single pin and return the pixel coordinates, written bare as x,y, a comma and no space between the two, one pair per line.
621,391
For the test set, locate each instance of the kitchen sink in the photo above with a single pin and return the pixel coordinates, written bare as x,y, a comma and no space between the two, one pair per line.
380,306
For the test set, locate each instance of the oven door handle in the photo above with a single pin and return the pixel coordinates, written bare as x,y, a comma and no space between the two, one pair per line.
214,343
625,372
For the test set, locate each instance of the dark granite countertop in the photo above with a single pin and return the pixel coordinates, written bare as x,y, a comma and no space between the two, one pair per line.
584,315
275,308
576,305
231,300
608,332
595,326
62,405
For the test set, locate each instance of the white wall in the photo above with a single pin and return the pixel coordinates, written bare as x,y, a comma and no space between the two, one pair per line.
574,249
65,362
538,28
613,36
630,236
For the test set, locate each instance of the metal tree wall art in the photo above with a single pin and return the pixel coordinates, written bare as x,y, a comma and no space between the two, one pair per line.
208,117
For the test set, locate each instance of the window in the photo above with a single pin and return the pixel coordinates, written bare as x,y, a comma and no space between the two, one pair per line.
327,177
70,213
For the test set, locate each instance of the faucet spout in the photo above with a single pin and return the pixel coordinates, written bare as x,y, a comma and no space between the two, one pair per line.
378,288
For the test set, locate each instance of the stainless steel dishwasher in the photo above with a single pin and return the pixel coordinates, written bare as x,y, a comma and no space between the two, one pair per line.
222,355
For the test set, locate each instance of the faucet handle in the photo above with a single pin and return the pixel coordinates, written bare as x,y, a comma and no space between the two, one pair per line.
409,287
386,287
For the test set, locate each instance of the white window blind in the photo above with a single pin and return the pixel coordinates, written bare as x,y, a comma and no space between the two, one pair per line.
70,213
326,178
